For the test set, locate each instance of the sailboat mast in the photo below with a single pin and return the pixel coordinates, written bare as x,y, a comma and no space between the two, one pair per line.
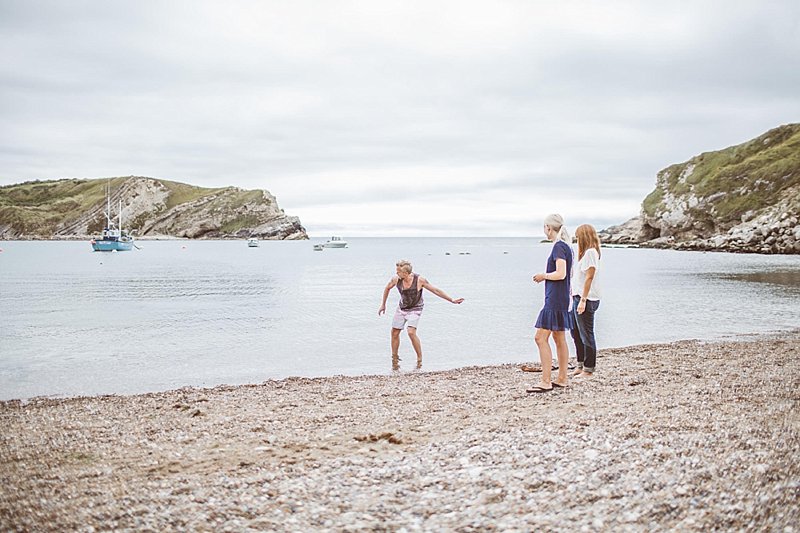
108,205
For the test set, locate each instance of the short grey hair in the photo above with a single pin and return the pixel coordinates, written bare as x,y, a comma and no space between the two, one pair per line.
405,265
556,223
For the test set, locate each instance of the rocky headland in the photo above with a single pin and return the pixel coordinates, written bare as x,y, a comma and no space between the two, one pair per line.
745,198
75,209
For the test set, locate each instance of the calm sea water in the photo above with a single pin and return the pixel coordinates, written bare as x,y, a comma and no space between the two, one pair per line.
177,313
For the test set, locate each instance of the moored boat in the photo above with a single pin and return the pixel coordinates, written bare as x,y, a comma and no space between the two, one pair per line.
335,242
252,243
113,238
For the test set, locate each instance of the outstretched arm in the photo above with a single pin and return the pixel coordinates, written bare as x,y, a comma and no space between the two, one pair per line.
438,292
392,283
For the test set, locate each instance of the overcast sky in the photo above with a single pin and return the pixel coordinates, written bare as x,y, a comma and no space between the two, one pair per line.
395,118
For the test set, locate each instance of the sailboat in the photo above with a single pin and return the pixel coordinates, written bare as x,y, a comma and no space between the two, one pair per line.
114,238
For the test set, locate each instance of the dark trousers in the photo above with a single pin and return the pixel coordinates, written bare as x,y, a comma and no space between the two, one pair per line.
583,333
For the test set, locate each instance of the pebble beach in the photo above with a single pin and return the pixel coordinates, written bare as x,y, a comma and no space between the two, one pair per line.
688,436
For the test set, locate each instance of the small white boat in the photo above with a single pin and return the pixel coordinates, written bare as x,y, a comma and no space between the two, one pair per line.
252,243
335,242
318,247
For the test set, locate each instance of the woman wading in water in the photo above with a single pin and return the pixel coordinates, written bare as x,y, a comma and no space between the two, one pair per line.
555,317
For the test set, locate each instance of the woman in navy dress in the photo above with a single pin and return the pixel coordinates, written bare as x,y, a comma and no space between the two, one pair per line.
555,318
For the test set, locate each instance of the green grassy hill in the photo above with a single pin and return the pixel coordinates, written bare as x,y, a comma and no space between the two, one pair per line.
738,179
744,198
37,207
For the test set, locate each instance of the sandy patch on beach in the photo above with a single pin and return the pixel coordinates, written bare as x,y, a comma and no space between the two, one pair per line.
688,436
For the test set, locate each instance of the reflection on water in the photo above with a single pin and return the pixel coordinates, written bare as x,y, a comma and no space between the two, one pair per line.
786,278
205,313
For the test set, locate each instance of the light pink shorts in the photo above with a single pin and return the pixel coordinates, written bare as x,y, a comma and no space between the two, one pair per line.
408,318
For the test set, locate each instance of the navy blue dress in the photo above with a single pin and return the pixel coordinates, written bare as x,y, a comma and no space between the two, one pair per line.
555,315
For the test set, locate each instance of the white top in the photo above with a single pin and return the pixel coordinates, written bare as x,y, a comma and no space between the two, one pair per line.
590,259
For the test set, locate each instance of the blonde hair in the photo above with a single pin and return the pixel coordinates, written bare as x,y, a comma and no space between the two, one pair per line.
556,223
587,238
405,265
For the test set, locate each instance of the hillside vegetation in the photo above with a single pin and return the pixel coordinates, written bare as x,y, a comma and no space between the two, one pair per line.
735,180
741,198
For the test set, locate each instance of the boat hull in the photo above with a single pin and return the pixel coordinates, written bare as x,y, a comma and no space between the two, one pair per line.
112,246
335,242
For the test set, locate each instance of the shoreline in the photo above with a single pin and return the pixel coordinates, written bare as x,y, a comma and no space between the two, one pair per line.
682,246
691,435
740,337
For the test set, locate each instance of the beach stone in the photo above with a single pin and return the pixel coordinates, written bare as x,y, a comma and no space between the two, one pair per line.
476,452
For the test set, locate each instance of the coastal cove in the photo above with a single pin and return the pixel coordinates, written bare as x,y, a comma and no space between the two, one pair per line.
207,313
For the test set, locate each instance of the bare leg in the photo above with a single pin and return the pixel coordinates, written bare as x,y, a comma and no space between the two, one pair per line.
545,355
415,342
562,352
395,348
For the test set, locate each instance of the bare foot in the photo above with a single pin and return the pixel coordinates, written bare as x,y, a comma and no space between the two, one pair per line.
560,384
577,372
583,376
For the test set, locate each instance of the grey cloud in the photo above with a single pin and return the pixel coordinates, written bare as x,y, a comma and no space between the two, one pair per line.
115,88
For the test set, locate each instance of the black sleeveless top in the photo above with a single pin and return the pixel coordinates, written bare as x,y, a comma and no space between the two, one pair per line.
411,298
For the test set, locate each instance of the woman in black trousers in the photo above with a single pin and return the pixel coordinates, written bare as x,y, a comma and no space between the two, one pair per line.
586,299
